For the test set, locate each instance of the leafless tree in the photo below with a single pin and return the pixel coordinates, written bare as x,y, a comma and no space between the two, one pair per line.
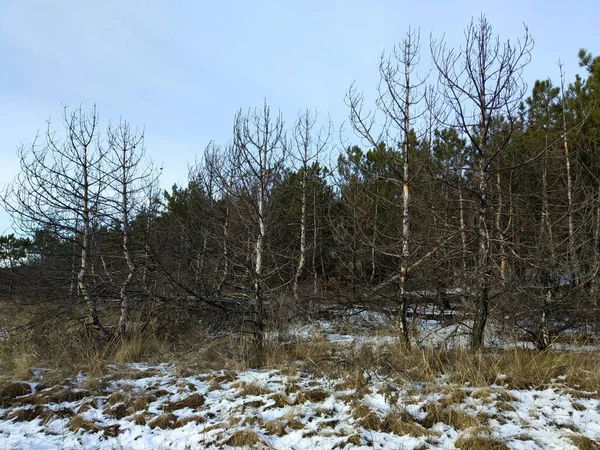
479,83
308,147
401,100
257,159
61,188
132,179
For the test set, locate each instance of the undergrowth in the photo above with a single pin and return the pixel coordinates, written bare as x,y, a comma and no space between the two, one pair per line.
62,353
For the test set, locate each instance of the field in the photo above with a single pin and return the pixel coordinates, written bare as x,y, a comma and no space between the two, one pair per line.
320,386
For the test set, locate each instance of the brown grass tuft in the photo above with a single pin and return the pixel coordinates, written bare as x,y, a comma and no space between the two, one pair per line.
139,419
141,403
505,396
366,417
451,416
11,391
60,394
118,397
455,397
313,396
29,414
189,419
402,423
139,348
193,401
252,389
578,406
226,377
118,411
584,443
477,442
79,423
86,405
275,427
280,400
354,439
243,438
165,421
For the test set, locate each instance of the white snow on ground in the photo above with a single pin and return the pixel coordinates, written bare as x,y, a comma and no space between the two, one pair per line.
295,411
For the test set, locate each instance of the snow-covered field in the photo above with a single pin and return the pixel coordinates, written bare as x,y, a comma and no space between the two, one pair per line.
152,408
144,406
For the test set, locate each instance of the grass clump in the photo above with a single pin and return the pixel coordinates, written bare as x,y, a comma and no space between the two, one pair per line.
118,411
451,416
479,439
11,391
79,423
402,423
29,414
252,389
312,395
243,438
189,419
275,427
584,443
165,421
193,401
366,417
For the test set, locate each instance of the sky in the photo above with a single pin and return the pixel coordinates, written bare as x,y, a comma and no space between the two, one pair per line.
181,70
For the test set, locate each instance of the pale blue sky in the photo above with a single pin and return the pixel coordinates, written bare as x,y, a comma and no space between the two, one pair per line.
183,68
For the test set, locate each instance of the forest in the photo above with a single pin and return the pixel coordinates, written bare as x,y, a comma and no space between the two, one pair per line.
425,275
466,192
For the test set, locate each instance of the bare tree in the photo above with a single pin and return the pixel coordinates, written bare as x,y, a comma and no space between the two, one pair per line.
400,98
480,83
308,147
60,188
257,158
132,179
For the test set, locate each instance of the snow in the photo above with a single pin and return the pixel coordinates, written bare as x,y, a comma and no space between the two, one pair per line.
290,409
536,419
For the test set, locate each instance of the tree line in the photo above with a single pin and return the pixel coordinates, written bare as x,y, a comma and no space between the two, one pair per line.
464,191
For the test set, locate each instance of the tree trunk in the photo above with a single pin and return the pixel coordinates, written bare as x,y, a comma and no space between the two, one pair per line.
93,320
302,257
499,231
124,321
596,262
573,260
482,299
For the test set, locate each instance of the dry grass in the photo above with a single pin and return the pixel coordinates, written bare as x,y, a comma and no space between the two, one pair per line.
468,442
118,411
67,351
139,419
251,389
455,397
193,401
451,416
243,438
11,391
280,400
514,368
578,406
402,423
366,417
584,443
137,349
79,423
311,395
164,421
38,412
276,427
189,419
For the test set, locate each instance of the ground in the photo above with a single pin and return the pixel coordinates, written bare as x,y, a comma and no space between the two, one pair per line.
167,406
